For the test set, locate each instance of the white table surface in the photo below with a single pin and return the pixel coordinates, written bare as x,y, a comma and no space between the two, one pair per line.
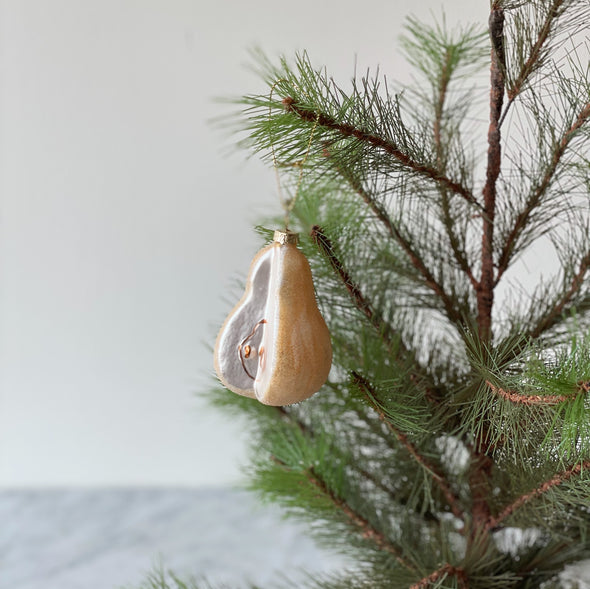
112,538
87,539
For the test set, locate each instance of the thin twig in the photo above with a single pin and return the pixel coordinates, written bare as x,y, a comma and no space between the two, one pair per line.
307,431
449,223
530,400
365,474
556,480
458,252
389,147
375,319
439,107
531,63
429,280
443,572
375,207
537,194
361,302
373,425
438,477
367,531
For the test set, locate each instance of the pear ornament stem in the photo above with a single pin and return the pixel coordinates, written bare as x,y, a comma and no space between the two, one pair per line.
274,345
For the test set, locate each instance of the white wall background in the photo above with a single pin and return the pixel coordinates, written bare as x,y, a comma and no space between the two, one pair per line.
122,224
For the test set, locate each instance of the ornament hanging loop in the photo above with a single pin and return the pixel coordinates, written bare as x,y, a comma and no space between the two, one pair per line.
289,203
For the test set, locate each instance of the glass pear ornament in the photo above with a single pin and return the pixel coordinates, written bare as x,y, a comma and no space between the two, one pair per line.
275,346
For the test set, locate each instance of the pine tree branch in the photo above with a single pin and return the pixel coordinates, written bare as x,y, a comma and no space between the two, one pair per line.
375,207
373,425
416,260
485,292
365,474
367,531
458,252
418,375
362,525
452,499
530,400
481,466
442,573
535,198
556,311
361,302
287,415
389,147
479,483
543,488
515,87
444,80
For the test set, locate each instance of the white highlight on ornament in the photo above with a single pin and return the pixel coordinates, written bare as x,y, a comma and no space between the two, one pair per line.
275,346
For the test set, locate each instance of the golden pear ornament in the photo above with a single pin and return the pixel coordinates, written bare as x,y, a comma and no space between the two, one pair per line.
275,346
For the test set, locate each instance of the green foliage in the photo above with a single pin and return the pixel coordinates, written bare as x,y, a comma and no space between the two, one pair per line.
451,416
549,417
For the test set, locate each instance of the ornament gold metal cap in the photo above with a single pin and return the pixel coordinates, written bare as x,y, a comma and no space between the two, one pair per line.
284,236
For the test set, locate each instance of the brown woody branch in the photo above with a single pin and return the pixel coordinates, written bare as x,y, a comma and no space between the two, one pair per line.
482,464
534,57
361,302
535,198
389,147
529,400
485,292
429,280
558,479
364,305
307,431
443,572
362,525
438,477
367,531
458,251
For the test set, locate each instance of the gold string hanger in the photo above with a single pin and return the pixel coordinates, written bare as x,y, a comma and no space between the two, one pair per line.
288,204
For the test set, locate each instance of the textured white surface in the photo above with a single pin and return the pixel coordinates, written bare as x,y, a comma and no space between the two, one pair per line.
108,538
91,539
